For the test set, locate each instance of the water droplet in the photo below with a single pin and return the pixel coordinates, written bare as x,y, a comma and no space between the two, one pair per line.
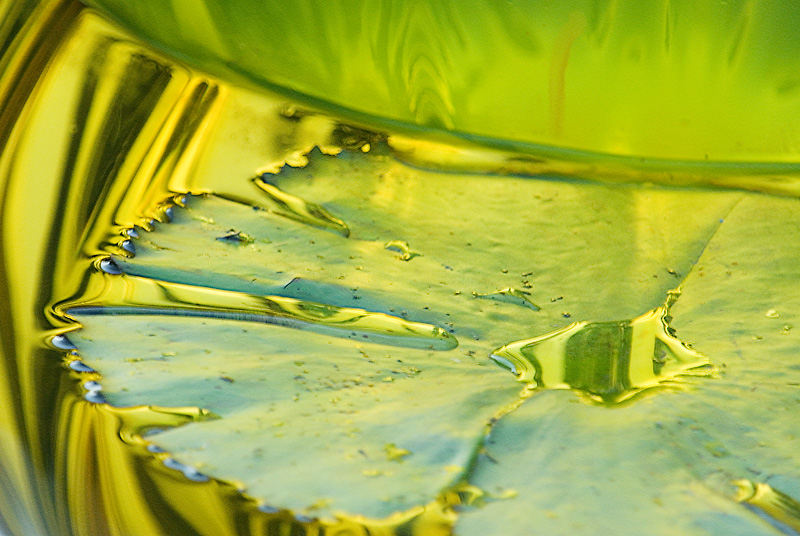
232,236
79,366
297,209
609,361
133,233
63,343
109,266
128,246
169,214
403,248
510,295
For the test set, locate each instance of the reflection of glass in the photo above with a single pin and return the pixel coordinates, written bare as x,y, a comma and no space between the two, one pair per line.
681,80
105,141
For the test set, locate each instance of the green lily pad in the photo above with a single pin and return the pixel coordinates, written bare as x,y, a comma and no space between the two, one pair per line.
311,419
305,421
668,465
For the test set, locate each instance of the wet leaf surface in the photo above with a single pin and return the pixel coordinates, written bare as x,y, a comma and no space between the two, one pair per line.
309,419
667,465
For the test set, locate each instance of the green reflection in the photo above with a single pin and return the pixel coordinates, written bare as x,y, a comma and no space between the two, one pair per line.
675,80
609,361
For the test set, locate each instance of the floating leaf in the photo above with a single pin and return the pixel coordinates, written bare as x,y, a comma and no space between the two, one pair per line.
303,418
669,464
323,425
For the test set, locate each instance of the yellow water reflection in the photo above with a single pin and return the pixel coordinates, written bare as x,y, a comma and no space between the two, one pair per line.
99,135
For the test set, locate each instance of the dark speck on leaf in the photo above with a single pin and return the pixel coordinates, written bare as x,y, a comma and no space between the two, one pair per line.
235,237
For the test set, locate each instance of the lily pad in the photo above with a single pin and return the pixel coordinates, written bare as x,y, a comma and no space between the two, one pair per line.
668,465
305,421
312,420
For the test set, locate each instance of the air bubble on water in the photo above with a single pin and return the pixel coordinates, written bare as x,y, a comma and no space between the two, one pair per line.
93,392
194,475
169,213
155,449
79,366
109,266
189,472
92,386
128,246
63,343
132,232
267,509
95,397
